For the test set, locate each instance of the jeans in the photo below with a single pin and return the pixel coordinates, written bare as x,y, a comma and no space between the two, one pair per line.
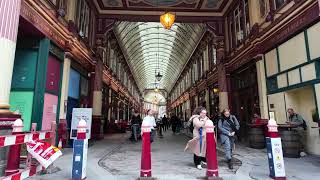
228,145
135,131
197,159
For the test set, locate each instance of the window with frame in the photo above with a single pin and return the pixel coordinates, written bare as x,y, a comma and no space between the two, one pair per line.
214,55
63,5
263,7
83,18
278,3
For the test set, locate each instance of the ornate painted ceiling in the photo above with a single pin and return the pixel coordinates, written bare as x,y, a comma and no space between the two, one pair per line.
117,8
149,49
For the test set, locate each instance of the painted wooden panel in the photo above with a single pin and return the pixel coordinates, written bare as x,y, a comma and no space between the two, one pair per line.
308,72
24,70
74,84
53,75
271,62
314,40
282,80
49,110
22,101
293,52
294,77
277,104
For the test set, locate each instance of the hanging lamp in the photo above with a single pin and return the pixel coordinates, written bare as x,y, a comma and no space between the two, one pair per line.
167,19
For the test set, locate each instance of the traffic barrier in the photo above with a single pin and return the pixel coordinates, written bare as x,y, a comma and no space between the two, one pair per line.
14,142
211,156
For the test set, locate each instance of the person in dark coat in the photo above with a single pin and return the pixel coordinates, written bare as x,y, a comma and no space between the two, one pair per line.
228,126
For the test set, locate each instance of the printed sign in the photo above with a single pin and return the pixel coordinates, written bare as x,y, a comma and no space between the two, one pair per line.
77,115
275,157
49,110
79,165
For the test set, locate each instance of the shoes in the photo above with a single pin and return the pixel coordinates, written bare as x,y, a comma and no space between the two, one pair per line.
199,167
203,164
230,166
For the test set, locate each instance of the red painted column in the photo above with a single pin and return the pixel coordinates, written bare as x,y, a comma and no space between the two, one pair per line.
212,163
146,152
13,162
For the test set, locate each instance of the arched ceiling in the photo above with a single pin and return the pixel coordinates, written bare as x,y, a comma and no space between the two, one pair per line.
150,48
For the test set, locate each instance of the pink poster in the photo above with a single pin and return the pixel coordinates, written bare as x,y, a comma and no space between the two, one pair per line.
49,110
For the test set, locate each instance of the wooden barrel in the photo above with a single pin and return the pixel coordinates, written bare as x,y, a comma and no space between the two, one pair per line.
291,145
256,138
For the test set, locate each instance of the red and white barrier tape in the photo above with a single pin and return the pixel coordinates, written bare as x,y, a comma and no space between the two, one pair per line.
23,173
15,139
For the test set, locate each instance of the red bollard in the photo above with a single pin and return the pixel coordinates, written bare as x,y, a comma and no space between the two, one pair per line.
212,164
82,129
146,152
14,151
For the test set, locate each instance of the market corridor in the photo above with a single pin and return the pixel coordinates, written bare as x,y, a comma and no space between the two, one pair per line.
118,158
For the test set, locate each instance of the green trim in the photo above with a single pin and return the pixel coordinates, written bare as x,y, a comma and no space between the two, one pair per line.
311,82
317,66
22,89
315,99
59,101
40,83
287,74
56,51
300,74
285,104
307,45
278,59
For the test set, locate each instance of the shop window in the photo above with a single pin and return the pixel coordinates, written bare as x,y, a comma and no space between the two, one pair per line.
272,84
62,7
263,7
214,55
278,3
82,18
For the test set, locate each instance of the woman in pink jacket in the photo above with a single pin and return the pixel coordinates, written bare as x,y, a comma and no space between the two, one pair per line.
198,144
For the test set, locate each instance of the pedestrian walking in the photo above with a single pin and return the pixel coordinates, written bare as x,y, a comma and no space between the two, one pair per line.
149,120
198,144
228,126
135,125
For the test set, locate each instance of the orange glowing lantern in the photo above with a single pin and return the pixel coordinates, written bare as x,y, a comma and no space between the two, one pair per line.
167,20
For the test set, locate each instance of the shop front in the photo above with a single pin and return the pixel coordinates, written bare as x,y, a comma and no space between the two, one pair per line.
245,96
293,81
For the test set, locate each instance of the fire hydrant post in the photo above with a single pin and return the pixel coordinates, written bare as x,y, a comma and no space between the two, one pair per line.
211,155
146,152
80,149
274,150
14,150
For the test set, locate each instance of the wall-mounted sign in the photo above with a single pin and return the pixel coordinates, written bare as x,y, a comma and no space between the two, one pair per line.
49,110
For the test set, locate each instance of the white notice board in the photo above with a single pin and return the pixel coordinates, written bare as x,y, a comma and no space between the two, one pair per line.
77,115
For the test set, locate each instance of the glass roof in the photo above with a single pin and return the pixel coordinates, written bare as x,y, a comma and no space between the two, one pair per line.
149,49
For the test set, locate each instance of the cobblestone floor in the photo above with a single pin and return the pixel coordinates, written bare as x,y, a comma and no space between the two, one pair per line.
117,158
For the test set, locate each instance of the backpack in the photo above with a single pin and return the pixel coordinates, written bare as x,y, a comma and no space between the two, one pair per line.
190,124
304,125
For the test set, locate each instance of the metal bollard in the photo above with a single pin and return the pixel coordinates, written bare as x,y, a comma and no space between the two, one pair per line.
274,150
212,164
13,162
146,152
